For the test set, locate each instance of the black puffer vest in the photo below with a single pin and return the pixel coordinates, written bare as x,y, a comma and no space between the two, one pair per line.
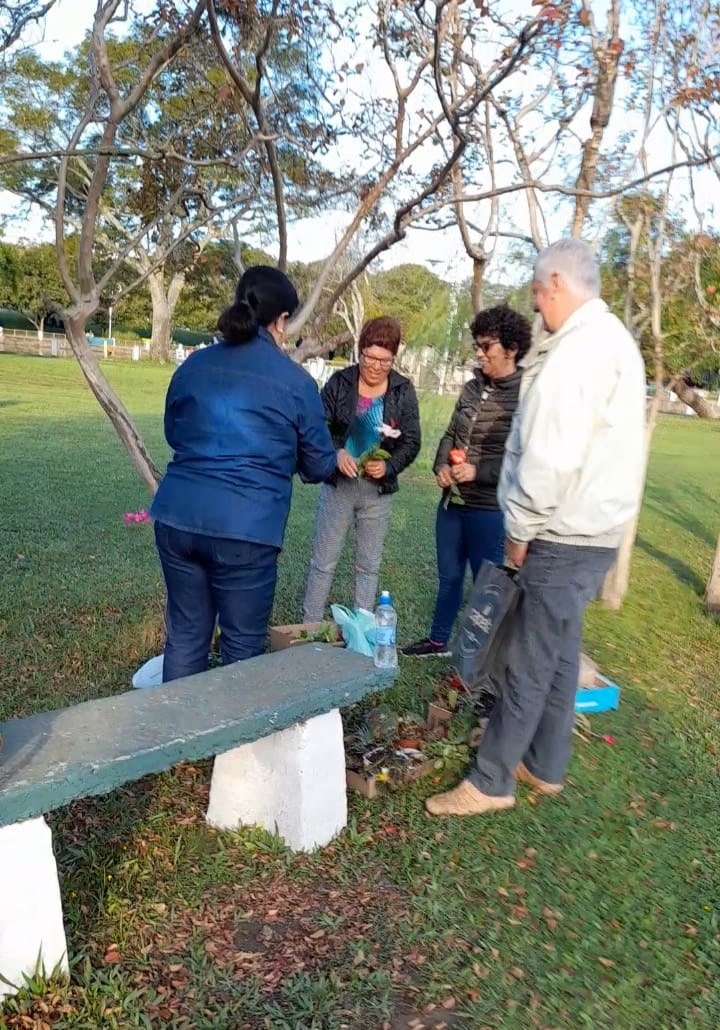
480,424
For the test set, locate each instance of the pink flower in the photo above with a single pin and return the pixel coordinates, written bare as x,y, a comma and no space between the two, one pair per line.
136,516
609,739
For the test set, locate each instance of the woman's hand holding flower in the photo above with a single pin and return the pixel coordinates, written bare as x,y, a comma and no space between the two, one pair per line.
376,469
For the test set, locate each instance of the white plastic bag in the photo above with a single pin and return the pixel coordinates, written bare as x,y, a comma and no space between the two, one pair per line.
150,674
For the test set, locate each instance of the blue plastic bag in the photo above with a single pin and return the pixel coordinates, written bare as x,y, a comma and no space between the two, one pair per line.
358,628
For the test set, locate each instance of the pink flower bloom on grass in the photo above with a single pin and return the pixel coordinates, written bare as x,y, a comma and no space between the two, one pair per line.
609,739
135,516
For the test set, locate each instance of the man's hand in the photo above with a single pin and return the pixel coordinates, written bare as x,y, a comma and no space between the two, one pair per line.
375,469
515,554
443,477
346,464
465,473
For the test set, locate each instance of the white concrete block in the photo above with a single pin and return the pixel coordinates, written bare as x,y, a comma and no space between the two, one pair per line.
31,920
291,783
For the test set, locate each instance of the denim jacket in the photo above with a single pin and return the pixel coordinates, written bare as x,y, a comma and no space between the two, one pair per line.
241,420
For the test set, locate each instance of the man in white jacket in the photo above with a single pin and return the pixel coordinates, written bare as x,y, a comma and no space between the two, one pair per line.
571,480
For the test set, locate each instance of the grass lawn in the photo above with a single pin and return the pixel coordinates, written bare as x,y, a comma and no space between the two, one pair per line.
600,909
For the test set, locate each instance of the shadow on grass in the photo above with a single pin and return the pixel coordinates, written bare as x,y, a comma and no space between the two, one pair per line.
677,566
664,503
111,850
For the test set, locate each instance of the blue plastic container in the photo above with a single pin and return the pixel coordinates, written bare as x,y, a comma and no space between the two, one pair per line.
604,696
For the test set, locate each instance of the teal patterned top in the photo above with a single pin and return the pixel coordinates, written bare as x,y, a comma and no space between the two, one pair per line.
365,429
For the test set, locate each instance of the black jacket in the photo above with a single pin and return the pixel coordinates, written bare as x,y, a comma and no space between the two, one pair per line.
480,425
400,410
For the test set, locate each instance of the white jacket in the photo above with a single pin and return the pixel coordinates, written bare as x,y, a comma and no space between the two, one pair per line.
575,458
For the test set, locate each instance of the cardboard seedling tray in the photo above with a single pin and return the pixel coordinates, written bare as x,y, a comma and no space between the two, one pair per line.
370,787
438,716
289,636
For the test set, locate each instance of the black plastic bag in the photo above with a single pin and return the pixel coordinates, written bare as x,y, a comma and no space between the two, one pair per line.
478,645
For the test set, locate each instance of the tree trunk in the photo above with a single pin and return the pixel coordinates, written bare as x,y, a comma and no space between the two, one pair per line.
164,302
313,347
607,57
712,591
111,403
702,407
478,281
617,580
443,373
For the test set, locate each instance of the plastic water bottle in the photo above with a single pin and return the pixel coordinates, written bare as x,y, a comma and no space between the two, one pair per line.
385,633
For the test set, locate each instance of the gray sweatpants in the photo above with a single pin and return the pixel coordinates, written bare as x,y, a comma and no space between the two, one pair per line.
533,718
353,502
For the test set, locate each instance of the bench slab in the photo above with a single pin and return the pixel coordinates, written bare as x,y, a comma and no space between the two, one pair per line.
52,758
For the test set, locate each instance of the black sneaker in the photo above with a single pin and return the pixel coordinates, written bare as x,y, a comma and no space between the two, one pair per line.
425,649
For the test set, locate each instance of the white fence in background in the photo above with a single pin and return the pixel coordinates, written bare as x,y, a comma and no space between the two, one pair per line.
430,370
55,345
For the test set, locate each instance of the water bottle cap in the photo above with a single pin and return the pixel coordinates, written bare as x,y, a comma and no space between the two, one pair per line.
385,597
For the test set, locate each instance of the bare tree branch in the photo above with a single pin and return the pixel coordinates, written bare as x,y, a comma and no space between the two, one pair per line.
253,97
16,16
163,154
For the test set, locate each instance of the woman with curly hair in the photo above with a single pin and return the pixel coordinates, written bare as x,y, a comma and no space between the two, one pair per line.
469,526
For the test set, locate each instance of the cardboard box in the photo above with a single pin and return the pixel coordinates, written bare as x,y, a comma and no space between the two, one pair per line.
588,672
369,786
287,636
601,696
437,716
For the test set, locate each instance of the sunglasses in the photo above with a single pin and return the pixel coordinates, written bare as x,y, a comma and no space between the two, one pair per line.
485,345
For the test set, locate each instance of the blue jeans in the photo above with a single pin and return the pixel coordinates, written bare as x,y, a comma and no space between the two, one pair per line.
462,535
534,715
211,579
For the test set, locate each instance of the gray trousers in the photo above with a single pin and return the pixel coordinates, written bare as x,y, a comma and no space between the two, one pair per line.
353,502
533,718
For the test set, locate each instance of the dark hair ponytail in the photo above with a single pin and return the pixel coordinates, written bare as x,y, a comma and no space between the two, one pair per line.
262,295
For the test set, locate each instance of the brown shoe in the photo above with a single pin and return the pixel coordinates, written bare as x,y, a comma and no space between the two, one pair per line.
523,775
465,799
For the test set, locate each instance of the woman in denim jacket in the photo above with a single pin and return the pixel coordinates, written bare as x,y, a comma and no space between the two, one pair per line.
241,419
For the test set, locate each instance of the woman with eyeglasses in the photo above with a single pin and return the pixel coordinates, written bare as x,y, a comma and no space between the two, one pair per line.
469,525
369,406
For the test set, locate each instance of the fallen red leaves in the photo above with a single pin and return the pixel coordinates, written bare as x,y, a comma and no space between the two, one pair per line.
273,928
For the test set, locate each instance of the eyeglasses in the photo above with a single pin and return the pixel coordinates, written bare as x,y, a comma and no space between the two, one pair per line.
383,363
485,345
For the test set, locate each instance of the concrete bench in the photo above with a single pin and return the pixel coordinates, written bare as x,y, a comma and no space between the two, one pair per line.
273,723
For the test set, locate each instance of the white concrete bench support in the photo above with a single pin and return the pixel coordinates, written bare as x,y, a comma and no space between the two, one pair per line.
32,936
274,722
291,783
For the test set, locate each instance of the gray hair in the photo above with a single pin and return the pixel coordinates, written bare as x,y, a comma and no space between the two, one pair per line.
575,262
